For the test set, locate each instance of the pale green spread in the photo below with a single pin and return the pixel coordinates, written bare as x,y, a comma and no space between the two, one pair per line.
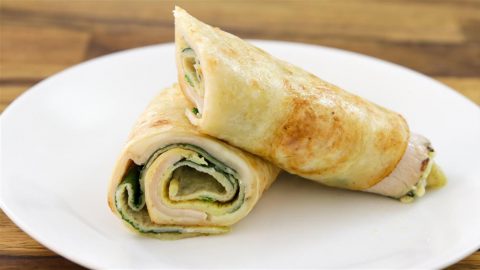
418,190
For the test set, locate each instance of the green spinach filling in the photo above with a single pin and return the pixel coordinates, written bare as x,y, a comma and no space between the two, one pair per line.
418,190
130,197
191,67
195,110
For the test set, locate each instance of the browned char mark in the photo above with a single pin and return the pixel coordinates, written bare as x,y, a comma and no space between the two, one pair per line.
306,130
159,122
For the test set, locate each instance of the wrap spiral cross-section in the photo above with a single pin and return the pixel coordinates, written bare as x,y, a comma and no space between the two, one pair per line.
170,181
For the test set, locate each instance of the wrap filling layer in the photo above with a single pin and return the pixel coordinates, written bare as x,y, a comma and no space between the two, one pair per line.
176,192
413,173
194,80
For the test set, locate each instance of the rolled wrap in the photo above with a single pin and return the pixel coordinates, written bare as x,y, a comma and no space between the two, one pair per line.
288,116
170,181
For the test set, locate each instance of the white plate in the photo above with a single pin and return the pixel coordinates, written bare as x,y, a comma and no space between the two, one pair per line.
60,139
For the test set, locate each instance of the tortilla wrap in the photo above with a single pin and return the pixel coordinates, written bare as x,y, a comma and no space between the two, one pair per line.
171,181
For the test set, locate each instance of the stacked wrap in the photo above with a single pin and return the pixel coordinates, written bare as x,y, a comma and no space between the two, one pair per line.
171,181
292,118
174,179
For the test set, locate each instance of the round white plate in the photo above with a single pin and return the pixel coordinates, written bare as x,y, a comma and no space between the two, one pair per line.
60,139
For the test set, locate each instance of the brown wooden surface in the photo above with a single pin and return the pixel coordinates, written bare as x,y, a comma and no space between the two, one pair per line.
40,38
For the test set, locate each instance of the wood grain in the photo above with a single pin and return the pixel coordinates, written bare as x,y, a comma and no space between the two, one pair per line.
39,38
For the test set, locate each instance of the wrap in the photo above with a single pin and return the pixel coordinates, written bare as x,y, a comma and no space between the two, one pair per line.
306,126
170,181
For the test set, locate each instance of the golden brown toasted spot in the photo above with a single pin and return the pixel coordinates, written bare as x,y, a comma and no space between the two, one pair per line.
300,121
160,122
391,137
308,133
287,84
229,52
381,140
397,140
254,83
254,165
211,63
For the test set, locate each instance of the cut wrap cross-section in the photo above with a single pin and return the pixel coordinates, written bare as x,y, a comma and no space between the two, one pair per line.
172,182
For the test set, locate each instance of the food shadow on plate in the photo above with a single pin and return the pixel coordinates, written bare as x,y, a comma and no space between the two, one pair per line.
294,199
294,211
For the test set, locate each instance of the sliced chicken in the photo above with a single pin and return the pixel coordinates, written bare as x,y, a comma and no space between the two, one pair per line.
409,178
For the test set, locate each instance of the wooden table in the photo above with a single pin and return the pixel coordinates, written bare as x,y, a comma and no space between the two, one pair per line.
38,39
